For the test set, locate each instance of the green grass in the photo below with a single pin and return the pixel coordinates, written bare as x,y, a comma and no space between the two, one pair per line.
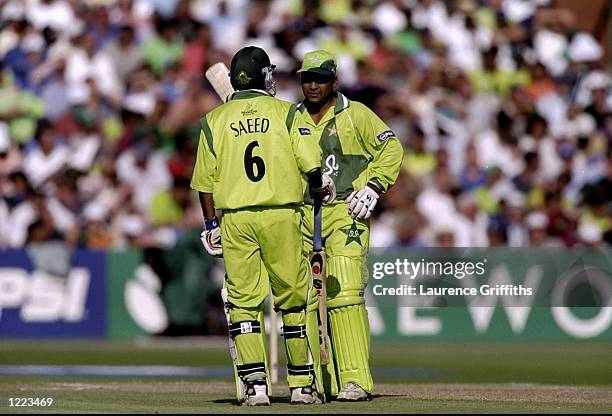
548,363
559,363
135,396
471,377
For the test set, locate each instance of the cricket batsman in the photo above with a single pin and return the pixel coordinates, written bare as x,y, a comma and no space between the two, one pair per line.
363,157
250,166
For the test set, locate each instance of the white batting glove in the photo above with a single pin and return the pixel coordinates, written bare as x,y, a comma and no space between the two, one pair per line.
211,237
329,188
361,203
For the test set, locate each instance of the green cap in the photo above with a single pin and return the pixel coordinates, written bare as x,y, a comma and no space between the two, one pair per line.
246,68
319,62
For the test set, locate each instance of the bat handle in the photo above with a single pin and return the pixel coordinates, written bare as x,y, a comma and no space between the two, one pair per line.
317,243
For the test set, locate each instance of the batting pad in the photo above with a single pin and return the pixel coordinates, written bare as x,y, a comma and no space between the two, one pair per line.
247,329
344,282
300,369
350,333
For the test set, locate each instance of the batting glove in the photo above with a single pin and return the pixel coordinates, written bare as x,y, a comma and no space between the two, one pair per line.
329,188
211,237
327,191
361,203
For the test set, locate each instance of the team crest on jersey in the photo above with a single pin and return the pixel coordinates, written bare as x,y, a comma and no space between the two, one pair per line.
304,131
385,135
243,78
248,111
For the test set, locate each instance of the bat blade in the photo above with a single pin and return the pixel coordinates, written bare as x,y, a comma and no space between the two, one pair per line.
319,281
318,264
218,76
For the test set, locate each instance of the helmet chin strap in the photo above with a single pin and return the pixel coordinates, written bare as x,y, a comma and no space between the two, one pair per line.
269,82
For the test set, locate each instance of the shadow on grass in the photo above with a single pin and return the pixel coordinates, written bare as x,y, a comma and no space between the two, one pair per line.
287,400
273,400
226,401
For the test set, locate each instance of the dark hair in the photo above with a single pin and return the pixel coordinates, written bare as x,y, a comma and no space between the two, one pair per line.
127,29
530,157
532,120
42,125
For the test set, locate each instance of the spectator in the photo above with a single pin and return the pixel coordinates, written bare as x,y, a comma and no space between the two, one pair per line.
182,163
10,157
188,109
504,108
86,62
124,53
14,26
472,176
194,60
145,169
417,160
96,234
409,230
165,49
435,203
23,59
174,206
54,91
56,14
47,158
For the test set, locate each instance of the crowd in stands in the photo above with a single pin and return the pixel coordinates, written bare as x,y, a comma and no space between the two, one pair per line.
503,108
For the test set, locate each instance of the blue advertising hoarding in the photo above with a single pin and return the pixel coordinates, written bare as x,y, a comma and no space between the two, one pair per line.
37,304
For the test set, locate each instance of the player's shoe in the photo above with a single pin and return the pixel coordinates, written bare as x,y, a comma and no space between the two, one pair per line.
353,393
305,395
256,391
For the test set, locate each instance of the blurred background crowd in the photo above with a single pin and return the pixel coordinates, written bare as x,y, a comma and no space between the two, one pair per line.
503,108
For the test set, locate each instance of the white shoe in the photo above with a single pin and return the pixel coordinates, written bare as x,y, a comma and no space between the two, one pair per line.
256,391
353,393
305,395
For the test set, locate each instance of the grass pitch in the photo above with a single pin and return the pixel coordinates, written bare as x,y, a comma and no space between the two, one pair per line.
409,377
138,396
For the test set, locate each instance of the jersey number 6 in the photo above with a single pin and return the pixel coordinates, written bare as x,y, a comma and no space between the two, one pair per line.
251,162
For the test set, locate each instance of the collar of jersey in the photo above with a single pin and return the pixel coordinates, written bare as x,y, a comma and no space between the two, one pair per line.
242,94
342,103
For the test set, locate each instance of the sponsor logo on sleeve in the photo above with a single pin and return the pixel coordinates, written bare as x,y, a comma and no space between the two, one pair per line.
304,131
385,135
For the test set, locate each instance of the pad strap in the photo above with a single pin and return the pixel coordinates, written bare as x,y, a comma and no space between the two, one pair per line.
300,370
297,309
298,331
244,327
244,370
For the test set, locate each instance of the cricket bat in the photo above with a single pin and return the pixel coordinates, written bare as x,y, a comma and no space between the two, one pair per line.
240,386
273,342
219,78
319,272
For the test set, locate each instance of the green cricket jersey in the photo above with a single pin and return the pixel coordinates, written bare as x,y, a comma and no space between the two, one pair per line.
357,147
248,154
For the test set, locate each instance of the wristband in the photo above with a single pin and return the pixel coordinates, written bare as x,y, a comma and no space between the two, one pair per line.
210,224
372,185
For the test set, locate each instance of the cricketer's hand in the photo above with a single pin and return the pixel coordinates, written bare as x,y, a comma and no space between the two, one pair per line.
361,203
327,191
211,239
